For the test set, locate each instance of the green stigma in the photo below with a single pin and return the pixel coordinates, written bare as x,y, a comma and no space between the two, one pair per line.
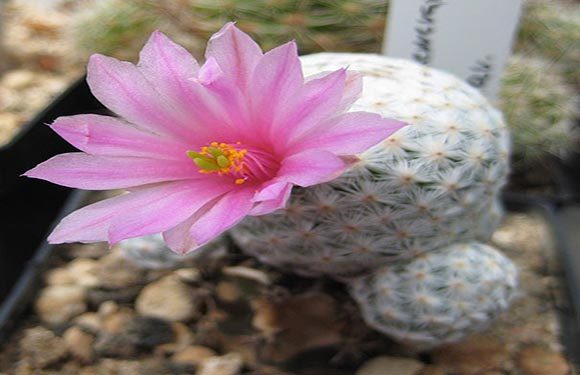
217,157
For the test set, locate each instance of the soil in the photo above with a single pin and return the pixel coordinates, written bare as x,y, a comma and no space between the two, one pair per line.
103,312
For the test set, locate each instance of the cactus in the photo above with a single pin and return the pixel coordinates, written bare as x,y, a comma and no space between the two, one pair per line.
406,217
439,297
552,29
540,109
433,183
117,27
150,252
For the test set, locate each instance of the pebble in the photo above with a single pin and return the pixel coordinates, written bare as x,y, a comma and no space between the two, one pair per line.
118,367
80,344
9,123
193,355
147,332
228,292
391,365
229,364
536,360
188,275
183,338
118,321
116,272
89,321
297,324
122,296
116,345
59,276
18,79
89,250
41,347
57,304
167,298
108,308
248,273
183,335
433,370
475,355
83,271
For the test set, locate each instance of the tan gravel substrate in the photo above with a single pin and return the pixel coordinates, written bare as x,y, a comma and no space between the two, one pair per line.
224,314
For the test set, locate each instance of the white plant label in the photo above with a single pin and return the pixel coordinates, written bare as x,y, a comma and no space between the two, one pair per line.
469,38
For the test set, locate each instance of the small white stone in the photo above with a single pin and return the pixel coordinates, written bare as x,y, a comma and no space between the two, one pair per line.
168,299
59,303
229,364
83,271
384,365
79,344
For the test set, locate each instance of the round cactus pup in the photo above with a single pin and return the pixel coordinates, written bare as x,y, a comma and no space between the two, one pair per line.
439,297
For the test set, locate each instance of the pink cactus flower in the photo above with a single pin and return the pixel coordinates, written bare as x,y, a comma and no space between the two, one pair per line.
200,147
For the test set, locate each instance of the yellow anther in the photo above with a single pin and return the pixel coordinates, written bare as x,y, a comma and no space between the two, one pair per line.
221,158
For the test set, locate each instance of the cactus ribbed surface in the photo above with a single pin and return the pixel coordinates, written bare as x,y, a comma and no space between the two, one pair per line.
432,184
150,252
437,298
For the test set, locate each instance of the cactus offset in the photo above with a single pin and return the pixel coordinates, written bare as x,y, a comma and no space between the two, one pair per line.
540,108
552,29
437,298
434,183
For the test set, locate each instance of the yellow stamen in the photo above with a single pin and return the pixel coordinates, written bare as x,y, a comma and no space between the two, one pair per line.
221,158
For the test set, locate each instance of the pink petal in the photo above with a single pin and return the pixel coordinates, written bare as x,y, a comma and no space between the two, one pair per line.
277,81
156,216
178,78
167,65
232,101
348,134
353,86
271,198
235,52
219,216
92,223
209,72
122,88
319,100
93,172
352,89
311,167
109,136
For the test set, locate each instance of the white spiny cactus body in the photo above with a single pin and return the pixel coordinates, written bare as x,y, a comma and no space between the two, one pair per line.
439,297
150,252
432,184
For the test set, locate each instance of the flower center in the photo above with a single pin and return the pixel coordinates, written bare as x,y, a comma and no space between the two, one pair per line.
221,158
